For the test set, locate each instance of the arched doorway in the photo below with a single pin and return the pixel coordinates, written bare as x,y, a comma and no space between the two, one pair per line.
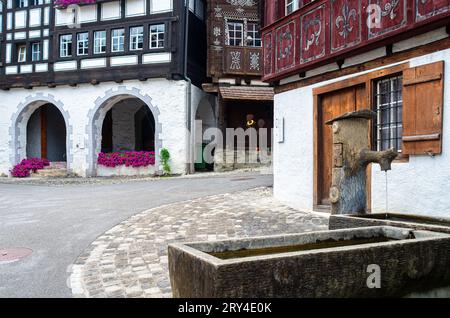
124,120
35,134
128,126
206,118
46,134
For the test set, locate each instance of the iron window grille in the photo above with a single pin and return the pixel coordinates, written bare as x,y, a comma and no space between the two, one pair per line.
388,100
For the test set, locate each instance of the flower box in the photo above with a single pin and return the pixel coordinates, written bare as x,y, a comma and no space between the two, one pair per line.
129,163
124,171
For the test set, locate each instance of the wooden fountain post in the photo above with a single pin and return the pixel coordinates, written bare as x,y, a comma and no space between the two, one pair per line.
351,155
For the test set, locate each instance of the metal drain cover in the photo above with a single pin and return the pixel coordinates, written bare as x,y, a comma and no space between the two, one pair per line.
14,254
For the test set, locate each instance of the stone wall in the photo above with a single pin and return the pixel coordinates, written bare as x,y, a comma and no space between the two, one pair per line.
123,125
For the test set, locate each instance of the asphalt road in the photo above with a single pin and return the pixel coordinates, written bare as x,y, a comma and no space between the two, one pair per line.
59,223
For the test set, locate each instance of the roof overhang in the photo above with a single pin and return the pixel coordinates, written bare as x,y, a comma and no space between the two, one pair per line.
251,93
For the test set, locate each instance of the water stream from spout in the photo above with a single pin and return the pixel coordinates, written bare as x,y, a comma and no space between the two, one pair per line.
387,199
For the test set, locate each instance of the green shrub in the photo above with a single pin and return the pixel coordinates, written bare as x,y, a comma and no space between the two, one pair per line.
165,157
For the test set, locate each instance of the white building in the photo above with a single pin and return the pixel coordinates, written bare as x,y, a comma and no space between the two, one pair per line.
398,68
109,76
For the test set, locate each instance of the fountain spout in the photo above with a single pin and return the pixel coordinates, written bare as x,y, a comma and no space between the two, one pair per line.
383,158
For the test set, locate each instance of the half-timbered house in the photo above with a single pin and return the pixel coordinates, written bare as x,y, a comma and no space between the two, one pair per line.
100,76
235,69
328,57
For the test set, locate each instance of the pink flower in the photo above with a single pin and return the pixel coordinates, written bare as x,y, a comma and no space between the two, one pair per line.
24,168
65,3
133,159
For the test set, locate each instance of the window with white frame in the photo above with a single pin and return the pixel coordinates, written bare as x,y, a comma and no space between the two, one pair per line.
65,45
83,43
35,51
99,42
136,38
253,35
157,33
389,107
21,3
21,53
291,6
117,40
235,33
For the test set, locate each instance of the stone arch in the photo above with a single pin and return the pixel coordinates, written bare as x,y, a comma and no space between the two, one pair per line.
204,110
19,120
97,116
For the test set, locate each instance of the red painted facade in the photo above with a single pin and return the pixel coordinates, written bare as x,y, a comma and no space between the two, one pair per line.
325,31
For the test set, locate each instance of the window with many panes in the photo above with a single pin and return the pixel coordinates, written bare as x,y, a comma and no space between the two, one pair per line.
117,40
21,53
157,32
99,42
388,100
65,45
291,6
21,3
36,51
136,38
83,43
253,35
235,33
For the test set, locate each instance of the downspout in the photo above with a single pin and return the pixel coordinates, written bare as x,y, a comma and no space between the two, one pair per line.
188,102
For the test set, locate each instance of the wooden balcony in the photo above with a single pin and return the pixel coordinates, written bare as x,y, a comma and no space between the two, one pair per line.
242,61
326,31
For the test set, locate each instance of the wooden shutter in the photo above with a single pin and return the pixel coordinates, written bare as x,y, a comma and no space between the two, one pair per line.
423,103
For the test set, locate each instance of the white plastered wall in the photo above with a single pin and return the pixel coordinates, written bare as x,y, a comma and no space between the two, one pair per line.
420,186
79,102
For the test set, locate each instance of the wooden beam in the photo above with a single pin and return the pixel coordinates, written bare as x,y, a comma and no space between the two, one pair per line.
380,62
210,88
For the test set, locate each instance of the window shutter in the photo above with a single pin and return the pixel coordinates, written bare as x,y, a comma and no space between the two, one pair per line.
423,103
270,12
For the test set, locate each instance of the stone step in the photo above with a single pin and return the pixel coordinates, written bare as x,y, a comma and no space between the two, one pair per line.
50,173
57,165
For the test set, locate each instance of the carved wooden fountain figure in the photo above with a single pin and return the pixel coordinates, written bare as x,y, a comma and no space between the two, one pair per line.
351,155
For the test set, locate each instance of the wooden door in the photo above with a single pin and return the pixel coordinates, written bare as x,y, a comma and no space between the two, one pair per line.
330,106
44,123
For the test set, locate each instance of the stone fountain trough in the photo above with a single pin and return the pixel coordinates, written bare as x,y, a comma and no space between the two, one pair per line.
317,264
390,219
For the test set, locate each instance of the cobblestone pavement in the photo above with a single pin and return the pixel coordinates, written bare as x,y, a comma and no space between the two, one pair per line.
130,260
